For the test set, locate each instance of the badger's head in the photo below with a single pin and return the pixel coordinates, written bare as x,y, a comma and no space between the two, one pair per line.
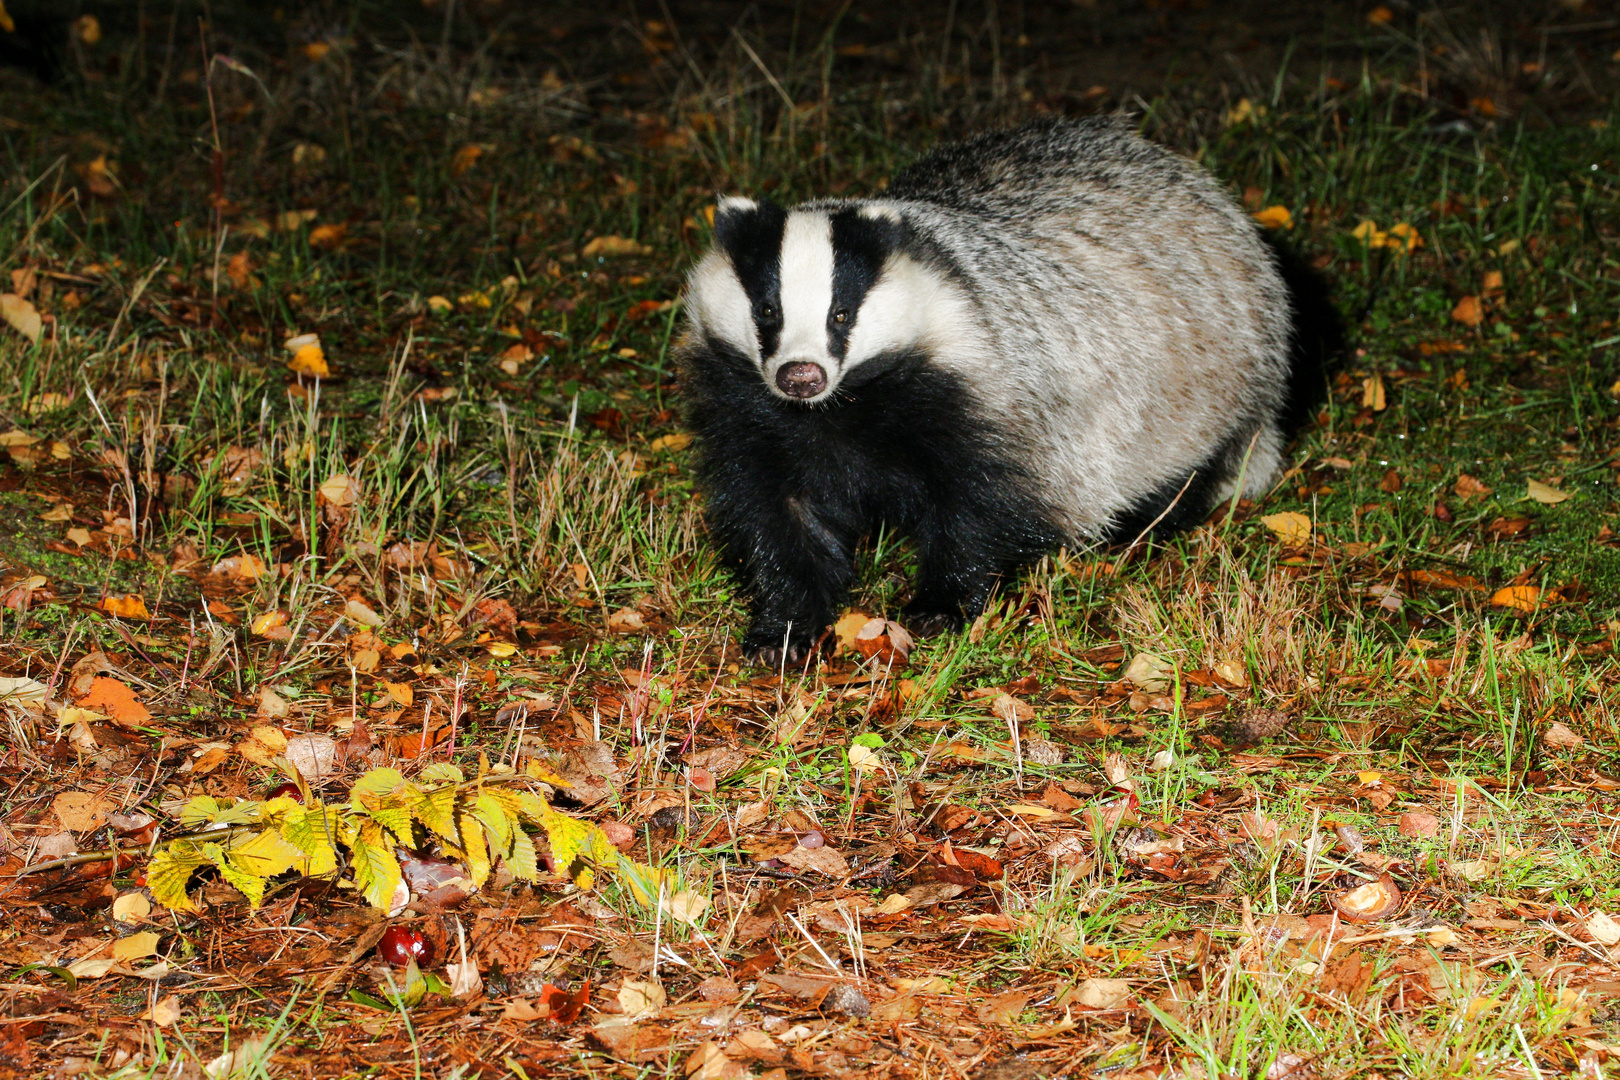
809,295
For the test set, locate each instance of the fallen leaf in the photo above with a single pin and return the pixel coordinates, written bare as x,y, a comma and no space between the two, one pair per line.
626,621
1275,217
1150,672
22,316
308,358
361,613
1290,526
131,907
679,440
340,489
136,946
613,246
1546,493
23,690
164,1012
1557,736
116,700
1372,393
1469,311
125,607
1468,488
466,157
1419,823
639,999
1605,930
1380,15
327,237
1102,993
1517,597
82,811
263,745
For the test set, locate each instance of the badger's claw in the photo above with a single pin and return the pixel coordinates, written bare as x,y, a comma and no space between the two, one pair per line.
768,650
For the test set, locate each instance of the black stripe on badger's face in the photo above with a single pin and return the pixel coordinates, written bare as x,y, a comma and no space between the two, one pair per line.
862,241
750,233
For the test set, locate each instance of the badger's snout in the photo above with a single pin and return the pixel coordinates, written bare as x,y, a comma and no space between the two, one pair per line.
801,379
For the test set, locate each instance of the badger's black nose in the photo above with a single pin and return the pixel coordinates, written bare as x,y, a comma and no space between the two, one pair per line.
801,379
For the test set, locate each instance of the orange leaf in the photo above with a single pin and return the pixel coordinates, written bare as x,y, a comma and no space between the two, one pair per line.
1517,597
327,237
116,700
125,607
1468,311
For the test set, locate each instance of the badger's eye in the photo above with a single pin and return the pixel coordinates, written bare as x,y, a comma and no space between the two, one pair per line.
767,312
841,316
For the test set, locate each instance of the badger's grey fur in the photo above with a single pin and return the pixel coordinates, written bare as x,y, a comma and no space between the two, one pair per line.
1054,334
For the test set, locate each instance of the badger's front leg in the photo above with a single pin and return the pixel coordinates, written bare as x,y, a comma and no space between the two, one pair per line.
797,562
966,546
955,577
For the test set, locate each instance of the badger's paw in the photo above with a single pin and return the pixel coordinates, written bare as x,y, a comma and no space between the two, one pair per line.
773,649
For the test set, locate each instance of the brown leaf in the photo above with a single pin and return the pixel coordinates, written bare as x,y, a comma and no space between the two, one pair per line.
1469,311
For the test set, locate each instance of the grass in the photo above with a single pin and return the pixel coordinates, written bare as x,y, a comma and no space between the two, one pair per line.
503,410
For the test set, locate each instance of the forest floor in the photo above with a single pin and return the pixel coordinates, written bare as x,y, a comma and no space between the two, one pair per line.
355,597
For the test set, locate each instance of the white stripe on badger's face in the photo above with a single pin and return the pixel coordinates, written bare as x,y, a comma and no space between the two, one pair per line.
720,305
807,274
911,306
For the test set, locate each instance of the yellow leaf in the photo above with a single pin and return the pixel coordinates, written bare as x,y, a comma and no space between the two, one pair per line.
1275,217
1546,493
341,490
847,627
125,607
678,441
439,304
23,316
612,246
263,624
131,906
500,650
1369,234
1290,526
1372,393
135,946
1403,237
310,361
400,692
1469,311
1517,597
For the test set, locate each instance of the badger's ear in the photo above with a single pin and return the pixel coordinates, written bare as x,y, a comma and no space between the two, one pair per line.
736,219
731,215
884,223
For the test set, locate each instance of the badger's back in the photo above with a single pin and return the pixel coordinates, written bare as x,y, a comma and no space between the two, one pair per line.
1134,328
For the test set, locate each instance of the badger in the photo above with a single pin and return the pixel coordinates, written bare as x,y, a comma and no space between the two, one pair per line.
1054,335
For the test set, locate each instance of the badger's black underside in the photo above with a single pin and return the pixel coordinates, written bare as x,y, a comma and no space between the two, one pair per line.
792,490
